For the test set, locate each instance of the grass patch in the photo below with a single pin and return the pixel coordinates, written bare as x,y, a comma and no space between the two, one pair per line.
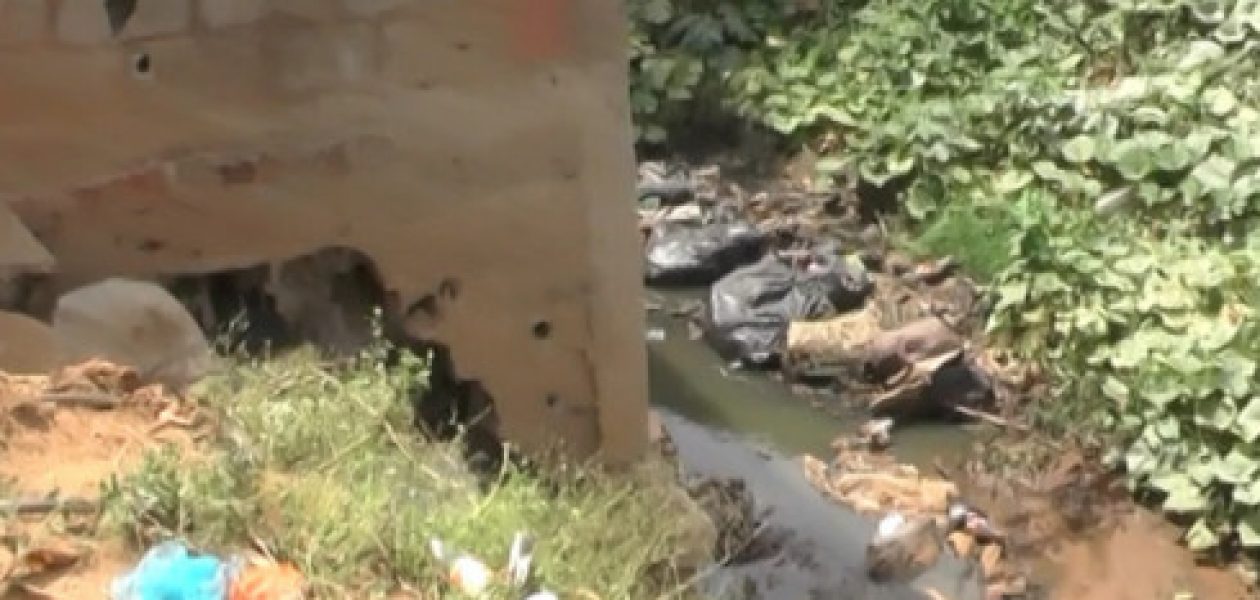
978,236
322,466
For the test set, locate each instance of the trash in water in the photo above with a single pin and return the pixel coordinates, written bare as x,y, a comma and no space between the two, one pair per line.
656,334
751,308
902,548
687,255
275,581
170,572
876,434
873,486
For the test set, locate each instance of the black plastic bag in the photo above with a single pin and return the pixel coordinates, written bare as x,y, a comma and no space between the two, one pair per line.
750,309
693,256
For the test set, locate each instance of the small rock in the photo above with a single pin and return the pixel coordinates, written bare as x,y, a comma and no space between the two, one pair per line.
902,548
134,323
27,346
991,560
962,543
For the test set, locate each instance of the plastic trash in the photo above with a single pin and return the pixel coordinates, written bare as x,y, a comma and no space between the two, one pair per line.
465,572
686,255
750,309
170,572
277,581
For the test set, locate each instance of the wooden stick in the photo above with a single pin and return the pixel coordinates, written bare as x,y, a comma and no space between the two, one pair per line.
30,506
989,418
94,400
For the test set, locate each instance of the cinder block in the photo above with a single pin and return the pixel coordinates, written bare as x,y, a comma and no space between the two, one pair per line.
82,22
22,20
310,10
217,14
158,18
371,8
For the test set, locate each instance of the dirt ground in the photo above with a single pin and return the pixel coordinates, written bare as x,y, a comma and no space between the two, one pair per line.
1136,559
51,443
1086,541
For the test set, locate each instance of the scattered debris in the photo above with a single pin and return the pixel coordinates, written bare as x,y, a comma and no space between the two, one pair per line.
873,485
876,434
902,548
268,581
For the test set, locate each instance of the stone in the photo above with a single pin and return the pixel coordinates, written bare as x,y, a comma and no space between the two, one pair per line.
22,20
19,250
133,323
83,23
27,346
217,14
159,18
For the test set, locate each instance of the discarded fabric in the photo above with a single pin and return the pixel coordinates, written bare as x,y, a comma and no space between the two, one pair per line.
279,581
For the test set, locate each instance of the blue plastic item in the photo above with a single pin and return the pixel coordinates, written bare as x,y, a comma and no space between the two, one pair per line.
169,572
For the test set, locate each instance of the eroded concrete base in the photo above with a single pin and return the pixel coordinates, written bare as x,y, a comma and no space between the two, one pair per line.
477,152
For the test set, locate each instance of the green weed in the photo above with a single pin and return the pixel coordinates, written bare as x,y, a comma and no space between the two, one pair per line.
322,467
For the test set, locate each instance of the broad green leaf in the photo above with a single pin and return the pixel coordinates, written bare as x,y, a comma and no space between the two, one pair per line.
1201,52
1237,373
1248,423
1079,149
1186,499
1132,160
1248,494
1174,157
1217,416
1236,468
1139,459
1249,529
1200,537
1116,390
1219,101
1012,180
1150,116
1215,173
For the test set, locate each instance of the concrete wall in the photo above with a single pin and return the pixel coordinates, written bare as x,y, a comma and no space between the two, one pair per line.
481,142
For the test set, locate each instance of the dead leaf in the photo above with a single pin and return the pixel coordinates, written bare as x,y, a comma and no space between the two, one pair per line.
963,543
48,556
990,560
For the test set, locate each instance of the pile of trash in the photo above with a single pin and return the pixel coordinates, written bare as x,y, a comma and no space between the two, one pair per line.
804,282
171,571
920,517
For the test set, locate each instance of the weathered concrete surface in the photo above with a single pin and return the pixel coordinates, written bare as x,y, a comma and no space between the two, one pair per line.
481,142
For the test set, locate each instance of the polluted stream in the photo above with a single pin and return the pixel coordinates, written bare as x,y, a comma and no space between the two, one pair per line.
747,426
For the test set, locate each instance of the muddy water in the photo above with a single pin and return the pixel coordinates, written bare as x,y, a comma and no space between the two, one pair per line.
749,426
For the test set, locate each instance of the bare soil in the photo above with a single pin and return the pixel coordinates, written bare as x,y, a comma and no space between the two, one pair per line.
52,445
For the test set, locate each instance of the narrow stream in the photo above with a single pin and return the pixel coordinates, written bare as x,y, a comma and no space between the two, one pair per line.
750,426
